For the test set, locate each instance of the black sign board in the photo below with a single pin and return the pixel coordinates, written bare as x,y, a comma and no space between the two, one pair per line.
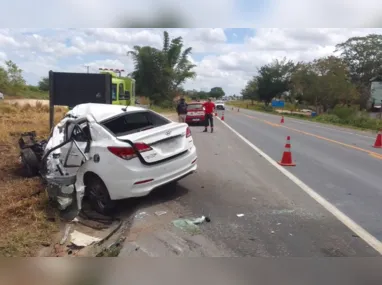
71,89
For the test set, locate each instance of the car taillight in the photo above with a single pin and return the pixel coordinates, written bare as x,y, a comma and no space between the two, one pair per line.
188,132
128,152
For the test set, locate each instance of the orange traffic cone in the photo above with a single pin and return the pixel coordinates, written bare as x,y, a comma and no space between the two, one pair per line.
286,160
378,140
222,116
282,120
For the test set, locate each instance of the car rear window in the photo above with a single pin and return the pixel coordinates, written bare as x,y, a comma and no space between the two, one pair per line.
134,122
195,106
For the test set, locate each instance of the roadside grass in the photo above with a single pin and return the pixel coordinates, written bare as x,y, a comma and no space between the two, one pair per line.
163,110
28,94
340,116
25,214
27,221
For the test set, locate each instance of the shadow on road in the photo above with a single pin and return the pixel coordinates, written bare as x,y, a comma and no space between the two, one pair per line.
126,208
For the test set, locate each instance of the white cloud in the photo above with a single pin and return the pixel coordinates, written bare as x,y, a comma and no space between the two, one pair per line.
3,56
223,58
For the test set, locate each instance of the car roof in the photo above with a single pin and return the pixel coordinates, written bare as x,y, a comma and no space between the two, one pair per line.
101,112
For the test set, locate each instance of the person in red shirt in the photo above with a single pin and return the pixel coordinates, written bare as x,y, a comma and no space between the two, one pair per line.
209,108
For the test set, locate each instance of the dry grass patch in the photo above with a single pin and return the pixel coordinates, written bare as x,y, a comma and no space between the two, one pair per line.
24,207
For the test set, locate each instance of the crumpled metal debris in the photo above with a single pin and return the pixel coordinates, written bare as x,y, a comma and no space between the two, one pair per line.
160,213
81,240
141,215
66,234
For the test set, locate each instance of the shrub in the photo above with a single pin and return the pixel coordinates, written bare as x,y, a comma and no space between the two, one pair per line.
267,108
328,118
344,112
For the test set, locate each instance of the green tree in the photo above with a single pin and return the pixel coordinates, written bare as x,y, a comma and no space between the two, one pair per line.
15,75
273,79
43,84
250,90
324,83
203,95
4,80
147,71
363,56
216,92
11,79
160,73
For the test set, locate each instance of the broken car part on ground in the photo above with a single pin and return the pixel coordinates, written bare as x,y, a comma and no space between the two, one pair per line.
108,152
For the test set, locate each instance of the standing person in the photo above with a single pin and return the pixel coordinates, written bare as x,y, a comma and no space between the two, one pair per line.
209,108
182,110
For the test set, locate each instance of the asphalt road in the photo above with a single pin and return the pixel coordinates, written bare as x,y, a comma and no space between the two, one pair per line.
279,219
339,164
255,209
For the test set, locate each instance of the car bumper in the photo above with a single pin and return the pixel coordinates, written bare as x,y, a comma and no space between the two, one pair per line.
195,119
162,174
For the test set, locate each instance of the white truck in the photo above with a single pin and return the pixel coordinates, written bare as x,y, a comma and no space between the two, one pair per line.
219,105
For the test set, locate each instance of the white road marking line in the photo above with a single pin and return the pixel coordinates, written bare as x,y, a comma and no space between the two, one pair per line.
352,225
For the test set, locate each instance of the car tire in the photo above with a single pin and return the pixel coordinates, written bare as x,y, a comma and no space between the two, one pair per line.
99,197
30,162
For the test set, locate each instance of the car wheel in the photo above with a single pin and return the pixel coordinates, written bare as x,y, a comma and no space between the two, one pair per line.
99,196
30,162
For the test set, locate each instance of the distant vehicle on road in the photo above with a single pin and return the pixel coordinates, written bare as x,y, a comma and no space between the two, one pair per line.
195,113
220,105
1,96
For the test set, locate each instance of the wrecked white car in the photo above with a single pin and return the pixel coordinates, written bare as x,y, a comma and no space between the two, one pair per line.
110,152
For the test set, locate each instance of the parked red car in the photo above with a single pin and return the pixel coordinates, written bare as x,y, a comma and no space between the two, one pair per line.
195,113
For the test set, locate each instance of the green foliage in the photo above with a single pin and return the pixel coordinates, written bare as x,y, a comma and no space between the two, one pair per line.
323,83
216,92
12,83
271,82
328,118
15,76
203,95
250,91
363,57
43,84
267,108
362,122
344,112
159,74
273,79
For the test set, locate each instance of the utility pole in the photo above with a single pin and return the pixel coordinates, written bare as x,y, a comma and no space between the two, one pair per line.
87,67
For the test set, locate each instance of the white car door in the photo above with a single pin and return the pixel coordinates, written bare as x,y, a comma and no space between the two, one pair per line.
77,148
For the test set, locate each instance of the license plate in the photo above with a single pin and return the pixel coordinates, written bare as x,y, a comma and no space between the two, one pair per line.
195,120
169,146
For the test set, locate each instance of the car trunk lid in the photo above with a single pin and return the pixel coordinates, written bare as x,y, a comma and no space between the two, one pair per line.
165,141
195,110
